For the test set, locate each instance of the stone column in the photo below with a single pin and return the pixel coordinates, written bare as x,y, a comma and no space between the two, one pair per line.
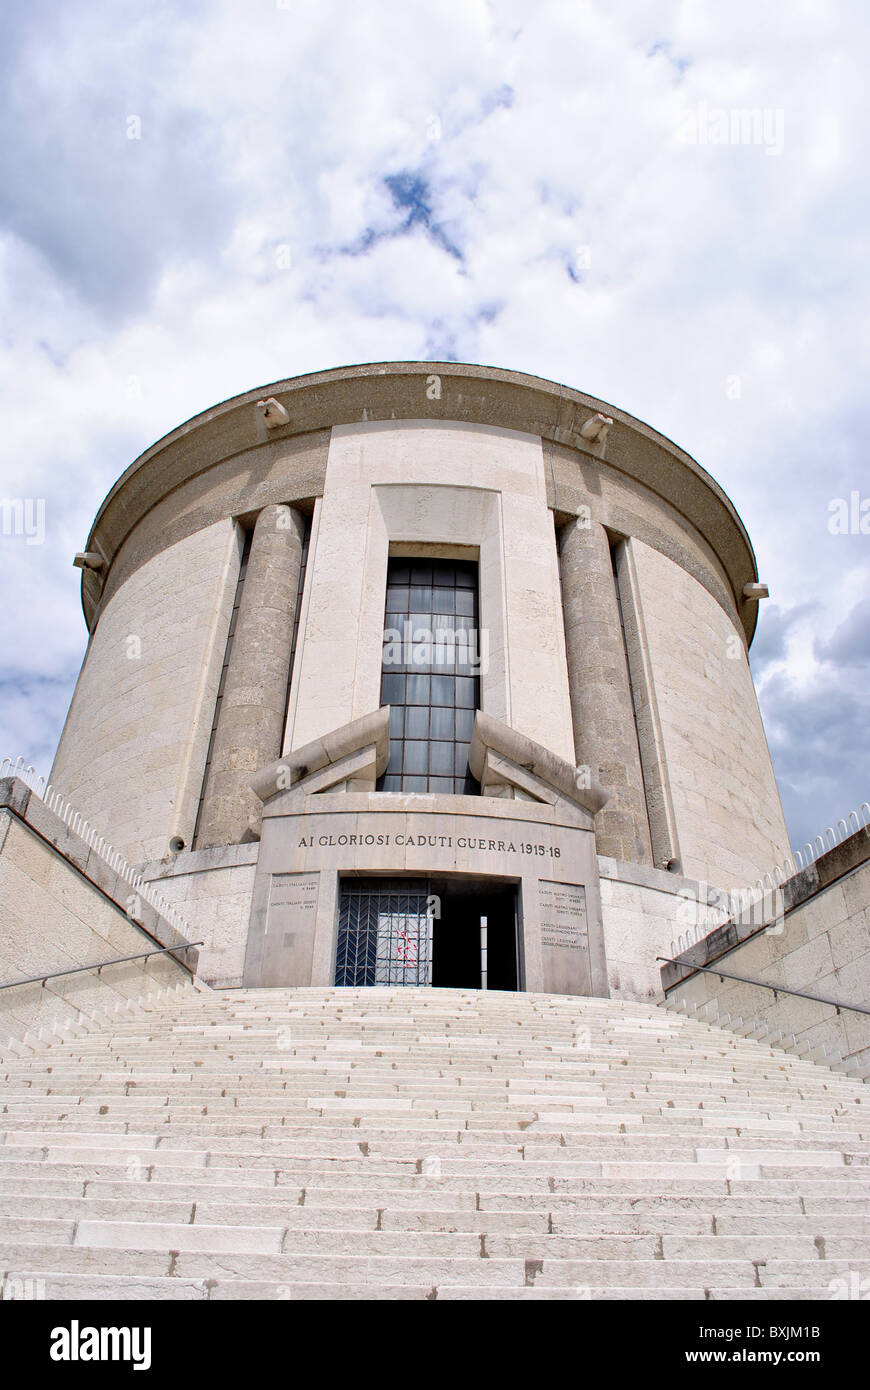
605,735
250,725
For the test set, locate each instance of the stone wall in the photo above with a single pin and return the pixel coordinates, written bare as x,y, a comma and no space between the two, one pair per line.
132,753
61,907
820,944
728,821
212,889
642,911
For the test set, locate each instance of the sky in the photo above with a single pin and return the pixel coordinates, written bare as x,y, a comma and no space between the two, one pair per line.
663,204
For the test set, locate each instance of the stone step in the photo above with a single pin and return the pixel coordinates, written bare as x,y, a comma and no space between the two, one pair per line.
432,1205
111,1287
427,1144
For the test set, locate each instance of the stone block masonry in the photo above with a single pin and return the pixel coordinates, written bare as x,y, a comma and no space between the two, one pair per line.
133,749
62,907
820,945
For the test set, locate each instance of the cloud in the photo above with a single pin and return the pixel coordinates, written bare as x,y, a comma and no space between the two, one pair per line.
849,643
775,624
505,182
817,742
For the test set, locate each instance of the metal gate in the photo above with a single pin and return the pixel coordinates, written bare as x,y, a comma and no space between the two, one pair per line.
384,933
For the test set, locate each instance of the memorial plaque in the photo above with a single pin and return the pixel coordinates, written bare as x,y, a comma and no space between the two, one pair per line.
563,915
292,900
291,919
564,936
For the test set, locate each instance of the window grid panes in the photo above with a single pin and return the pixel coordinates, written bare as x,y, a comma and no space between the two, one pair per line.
430,674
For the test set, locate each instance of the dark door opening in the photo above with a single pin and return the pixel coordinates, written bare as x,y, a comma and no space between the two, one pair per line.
456,936
417,931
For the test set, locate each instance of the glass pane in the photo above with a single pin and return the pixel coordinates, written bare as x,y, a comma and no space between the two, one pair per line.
464,724
397,600
419,656
421,599
466,695
421,573
415,784
416,757
393,689
441,759
418,689
441,725
400,572
393,659
441,784
460,765
468,656
417,722
397,721
442,690
442,600
395,763
465,601
444,653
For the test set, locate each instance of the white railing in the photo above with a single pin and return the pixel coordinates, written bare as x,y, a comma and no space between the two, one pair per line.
75,821
743,901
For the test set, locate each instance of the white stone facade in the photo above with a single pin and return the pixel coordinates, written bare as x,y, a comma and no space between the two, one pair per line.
492,475
391,487
728,817
133,749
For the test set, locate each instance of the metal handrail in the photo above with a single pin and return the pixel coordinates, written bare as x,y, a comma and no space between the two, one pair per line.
98,965
765,984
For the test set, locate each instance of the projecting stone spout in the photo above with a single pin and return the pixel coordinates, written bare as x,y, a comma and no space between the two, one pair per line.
509,764
356,755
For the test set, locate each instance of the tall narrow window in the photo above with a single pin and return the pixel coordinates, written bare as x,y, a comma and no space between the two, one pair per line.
431,674
652,794
303,567
243,569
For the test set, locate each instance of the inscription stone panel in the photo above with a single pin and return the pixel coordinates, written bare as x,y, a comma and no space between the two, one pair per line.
290,896
564,931
563,921
291,921
310,843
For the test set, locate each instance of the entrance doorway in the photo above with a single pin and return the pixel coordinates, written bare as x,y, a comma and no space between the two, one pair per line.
415,931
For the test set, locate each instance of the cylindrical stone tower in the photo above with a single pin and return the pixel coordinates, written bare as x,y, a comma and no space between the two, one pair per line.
380,652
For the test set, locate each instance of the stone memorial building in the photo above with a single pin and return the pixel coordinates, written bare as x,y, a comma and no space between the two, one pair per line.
382,655
386,927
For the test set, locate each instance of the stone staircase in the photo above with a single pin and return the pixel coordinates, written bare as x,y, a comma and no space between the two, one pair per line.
425,1143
